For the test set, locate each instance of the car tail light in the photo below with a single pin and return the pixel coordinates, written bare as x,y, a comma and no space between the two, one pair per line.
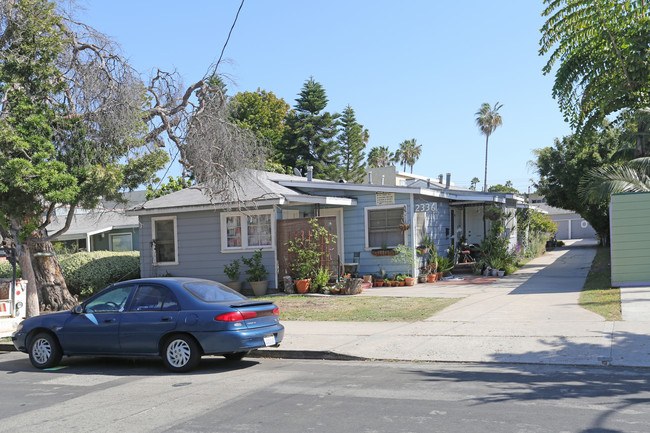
235,316
276,312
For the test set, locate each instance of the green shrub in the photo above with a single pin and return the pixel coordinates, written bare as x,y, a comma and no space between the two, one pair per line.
6,270
86,273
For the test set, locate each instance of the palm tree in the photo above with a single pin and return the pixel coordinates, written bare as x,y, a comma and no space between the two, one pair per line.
380,157
488,119
408,153
600,183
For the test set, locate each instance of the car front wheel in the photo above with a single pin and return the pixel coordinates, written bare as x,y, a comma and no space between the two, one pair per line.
181,353
44,351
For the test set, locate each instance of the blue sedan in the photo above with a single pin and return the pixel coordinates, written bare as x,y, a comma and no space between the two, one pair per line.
178,319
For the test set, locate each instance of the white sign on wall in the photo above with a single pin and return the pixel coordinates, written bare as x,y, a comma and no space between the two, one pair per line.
383,198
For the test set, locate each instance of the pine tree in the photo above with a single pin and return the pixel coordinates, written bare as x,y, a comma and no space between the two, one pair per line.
352,141
310,133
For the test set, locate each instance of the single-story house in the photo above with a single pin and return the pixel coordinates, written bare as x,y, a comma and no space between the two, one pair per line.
105,228
186,233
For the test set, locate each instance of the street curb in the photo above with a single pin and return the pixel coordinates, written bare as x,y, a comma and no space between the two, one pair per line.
305,354
7,347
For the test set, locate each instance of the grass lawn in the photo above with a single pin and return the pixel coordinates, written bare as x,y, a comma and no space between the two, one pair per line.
597,294
357,308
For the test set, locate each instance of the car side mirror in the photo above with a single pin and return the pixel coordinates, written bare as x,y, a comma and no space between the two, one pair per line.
77,309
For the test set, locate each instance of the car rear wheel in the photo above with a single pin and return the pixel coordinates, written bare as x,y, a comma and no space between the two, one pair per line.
181,353
235,356
44,351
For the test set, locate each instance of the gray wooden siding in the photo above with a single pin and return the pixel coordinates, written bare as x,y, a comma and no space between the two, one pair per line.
199,249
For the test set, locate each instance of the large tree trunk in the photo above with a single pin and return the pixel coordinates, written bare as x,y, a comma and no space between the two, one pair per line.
53,293
25,262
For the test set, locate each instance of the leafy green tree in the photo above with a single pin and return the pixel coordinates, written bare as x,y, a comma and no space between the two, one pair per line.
562,167
173,184
310,133
600,183
77,123
380,156
601,48
475,180
488,120
408,153
264,114
508,188
352,141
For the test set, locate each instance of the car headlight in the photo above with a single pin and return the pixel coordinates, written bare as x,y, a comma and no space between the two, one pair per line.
19,327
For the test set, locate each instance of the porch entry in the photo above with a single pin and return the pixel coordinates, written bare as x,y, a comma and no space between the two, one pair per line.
291,228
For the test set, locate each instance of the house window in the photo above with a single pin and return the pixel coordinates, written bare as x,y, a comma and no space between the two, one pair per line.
382,227
121,242
164,241
251,230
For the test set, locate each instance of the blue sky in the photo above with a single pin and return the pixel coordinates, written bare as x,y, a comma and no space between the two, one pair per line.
409,69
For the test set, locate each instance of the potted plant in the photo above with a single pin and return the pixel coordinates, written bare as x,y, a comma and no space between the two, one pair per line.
306,254
445,264
232,272
256,273
406,256
321,279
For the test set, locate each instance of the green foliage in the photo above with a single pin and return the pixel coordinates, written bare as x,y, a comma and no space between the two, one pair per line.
562,167
305,254
475,181
310,132
406,256
444,264
602,47
86,273
488,120
408,153
507,188
380,157
256,270
264,114
232,270
494,251
51,153
174,184
352,141
321,278
6,270
600,183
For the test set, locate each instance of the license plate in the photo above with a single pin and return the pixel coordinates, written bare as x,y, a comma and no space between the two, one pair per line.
269,340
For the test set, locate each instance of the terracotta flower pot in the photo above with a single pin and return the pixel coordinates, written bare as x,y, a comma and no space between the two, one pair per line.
431,278
409,281
302,286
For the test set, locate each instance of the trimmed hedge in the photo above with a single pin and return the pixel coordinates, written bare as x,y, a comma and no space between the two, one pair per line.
87,273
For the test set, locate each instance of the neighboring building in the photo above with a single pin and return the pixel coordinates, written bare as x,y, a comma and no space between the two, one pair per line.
570,225
630,236
106,228
186,234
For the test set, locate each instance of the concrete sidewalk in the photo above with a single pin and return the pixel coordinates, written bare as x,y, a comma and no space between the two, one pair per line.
530,317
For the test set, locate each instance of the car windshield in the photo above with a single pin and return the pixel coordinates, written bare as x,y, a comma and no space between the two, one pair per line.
208,291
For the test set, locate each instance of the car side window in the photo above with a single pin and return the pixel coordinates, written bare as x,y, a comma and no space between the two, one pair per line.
171,303
110,301
149,298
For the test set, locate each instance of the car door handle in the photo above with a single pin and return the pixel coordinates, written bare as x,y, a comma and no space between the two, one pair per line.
166,318
109,320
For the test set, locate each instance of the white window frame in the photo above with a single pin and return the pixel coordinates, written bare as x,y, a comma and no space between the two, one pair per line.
244,231
153,237
367,225
124,234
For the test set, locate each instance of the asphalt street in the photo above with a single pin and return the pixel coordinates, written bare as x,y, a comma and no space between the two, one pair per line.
138,395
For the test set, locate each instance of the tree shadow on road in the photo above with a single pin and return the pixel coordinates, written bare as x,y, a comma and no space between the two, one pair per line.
612,390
